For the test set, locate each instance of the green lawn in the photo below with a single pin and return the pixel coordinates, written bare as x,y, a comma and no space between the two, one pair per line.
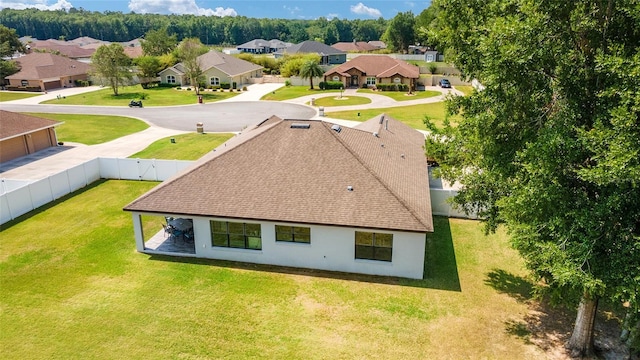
292,92
402,96
12,95
190,146
93,129
158,96
344,101
466,89
74,286
411,115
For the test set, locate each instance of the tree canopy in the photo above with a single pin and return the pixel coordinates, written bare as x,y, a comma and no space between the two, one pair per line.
400,32
188,52
310,69
158,42
112,64
9,44
550,146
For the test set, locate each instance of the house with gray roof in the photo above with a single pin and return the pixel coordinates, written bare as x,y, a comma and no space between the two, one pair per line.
217,68
328,54
261,46
301,193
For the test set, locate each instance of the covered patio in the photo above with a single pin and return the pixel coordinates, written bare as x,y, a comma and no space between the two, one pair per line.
175,236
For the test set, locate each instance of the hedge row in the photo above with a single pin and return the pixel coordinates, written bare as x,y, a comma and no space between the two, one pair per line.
329,85
392,87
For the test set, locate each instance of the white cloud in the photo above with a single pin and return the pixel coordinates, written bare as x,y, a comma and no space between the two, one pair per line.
177,7
362,9
332,16
291,10
38,4
410,3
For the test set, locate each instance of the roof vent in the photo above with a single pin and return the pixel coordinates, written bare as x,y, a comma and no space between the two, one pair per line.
336,128
375,134
300,126
381,119
349,188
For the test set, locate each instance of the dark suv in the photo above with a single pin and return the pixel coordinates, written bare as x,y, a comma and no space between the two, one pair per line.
444,83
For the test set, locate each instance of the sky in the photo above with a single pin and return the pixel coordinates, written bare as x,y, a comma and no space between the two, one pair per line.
284,9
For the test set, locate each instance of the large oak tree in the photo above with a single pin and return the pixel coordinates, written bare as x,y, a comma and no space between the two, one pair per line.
112,64
551,146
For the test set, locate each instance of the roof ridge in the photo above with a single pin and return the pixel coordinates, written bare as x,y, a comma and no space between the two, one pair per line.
375,175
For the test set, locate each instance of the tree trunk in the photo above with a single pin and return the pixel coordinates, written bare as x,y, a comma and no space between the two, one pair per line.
581,342
311,82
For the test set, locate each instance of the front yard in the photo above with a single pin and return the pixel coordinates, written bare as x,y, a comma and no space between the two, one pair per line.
73,286
157,96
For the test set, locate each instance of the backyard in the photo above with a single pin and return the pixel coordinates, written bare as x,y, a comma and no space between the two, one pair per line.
157,96
191,146
73,286
412,115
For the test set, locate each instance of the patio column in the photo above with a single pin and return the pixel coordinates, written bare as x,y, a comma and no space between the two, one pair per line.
137,231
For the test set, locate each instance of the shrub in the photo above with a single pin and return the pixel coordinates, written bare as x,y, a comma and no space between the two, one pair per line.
433,68
328,85
287,83
365,86
225,85
244,88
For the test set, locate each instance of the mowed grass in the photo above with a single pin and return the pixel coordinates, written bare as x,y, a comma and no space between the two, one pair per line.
74,286
344,101
466,89
190,146
157,96
411,115
93,129
403,96
11,95
292,92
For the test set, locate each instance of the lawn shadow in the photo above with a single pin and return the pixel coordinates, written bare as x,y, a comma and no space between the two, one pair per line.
441,270
516,286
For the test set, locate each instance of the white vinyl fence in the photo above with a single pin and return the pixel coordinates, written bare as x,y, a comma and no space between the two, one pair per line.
19,197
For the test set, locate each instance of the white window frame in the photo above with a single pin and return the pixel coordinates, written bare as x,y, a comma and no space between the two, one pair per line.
336,78
214,81
171,79
397,80
371,81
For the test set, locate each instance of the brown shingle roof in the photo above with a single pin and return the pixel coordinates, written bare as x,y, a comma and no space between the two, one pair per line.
354,46
378,66
14,124
280,173
69,50
37,66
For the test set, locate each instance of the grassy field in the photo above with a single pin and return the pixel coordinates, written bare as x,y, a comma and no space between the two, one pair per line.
12,95
344,101
466,89
411,115
74,287
292,92
402,96
190,146
158,96
93,129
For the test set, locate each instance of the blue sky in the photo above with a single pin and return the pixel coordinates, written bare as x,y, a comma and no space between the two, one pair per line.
299,9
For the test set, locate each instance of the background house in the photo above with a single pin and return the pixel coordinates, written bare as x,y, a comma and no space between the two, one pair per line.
45,71
305,193
261,46
328,54
217,67
354,46
22,135
371,70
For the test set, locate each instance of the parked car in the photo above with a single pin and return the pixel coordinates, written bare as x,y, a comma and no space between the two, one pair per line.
134,103
444,83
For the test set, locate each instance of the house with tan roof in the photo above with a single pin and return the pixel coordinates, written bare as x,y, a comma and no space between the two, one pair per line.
301,193
354,46
261,46
67,49
45,71
217,68
371,70
22,135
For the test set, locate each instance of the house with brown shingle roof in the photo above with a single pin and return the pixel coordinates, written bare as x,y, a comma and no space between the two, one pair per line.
22,134
328,54
70,50
48,71
370,70
217,67
354,46
302,193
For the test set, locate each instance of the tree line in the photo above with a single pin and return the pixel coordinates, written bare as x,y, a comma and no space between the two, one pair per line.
212,30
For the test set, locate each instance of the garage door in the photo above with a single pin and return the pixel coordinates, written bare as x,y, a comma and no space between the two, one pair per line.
12,148
52,85
41,140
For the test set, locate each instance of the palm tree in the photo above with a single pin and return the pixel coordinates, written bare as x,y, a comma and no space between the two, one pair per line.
310,69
